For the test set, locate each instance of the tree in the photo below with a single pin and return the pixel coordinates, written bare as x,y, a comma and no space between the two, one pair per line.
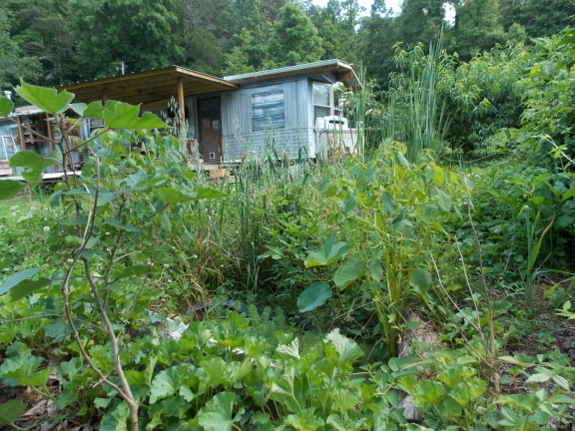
251,41
14,64
296,40
336,25
377,36
203,53
207,29
42,28
420,21
540,18
142,33
477,27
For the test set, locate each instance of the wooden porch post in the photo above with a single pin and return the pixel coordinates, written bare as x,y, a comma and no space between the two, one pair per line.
182,106
51,137
104,96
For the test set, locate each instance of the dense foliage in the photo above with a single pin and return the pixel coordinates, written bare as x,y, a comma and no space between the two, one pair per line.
53,43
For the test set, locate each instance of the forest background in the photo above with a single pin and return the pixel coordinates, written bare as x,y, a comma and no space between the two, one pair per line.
49,42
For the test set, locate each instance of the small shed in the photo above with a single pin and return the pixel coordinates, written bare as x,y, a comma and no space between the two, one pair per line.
232,116
27,134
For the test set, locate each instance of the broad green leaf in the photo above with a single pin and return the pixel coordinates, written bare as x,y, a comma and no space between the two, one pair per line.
443,200
6,106
11,411
186,393
288,351
14,368
451,375
376,270
427,212
217,370
539,377
14,279
461,394
217,414
305,420
561,399
402,160
10,188
429,391
421,278
124,116
35,163
328,253
165,384
337,422
66,398
348,272
389,203
562,381
137,270
79,108
26,287
142,377
314,296
284,390
450,408
47,99
96,110
344,399
174,196
170,381
347,349
38,378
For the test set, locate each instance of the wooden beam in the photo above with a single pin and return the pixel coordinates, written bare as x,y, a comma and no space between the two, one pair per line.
182,106
21,134
51,137
104,96
150,75
121,78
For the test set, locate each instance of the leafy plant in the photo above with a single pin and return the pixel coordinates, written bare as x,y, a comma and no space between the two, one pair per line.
386,210
108,229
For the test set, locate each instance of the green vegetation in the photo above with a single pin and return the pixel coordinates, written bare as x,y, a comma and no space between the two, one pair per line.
50,42
435,265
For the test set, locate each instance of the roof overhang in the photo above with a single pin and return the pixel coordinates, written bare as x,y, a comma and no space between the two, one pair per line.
148,86
345,73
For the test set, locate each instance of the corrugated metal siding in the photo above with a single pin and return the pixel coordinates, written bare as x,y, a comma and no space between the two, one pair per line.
239,135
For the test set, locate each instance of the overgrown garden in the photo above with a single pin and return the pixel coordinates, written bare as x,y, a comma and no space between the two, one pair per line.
436,264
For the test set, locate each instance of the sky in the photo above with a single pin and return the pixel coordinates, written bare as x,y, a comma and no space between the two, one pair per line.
391,4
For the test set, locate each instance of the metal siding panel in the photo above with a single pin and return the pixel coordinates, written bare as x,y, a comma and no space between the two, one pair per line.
240,139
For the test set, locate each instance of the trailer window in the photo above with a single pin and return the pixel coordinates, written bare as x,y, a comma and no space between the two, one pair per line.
268,109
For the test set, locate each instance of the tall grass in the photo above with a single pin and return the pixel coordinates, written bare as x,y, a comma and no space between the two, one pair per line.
414,113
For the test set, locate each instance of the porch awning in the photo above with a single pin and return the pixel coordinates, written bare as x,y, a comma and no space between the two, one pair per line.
148,86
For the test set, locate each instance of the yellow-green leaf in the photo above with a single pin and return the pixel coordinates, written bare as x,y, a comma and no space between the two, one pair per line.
47,99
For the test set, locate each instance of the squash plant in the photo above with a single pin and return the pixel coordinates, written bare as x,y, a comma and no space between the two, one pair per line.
109,240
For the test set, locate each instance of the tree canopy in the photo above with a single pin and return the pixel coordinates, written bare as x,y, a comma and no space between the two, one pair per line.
55,42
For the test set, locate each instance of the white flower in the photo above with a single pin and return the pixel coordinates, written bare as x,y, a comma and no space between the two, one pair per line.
166,265
46,228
